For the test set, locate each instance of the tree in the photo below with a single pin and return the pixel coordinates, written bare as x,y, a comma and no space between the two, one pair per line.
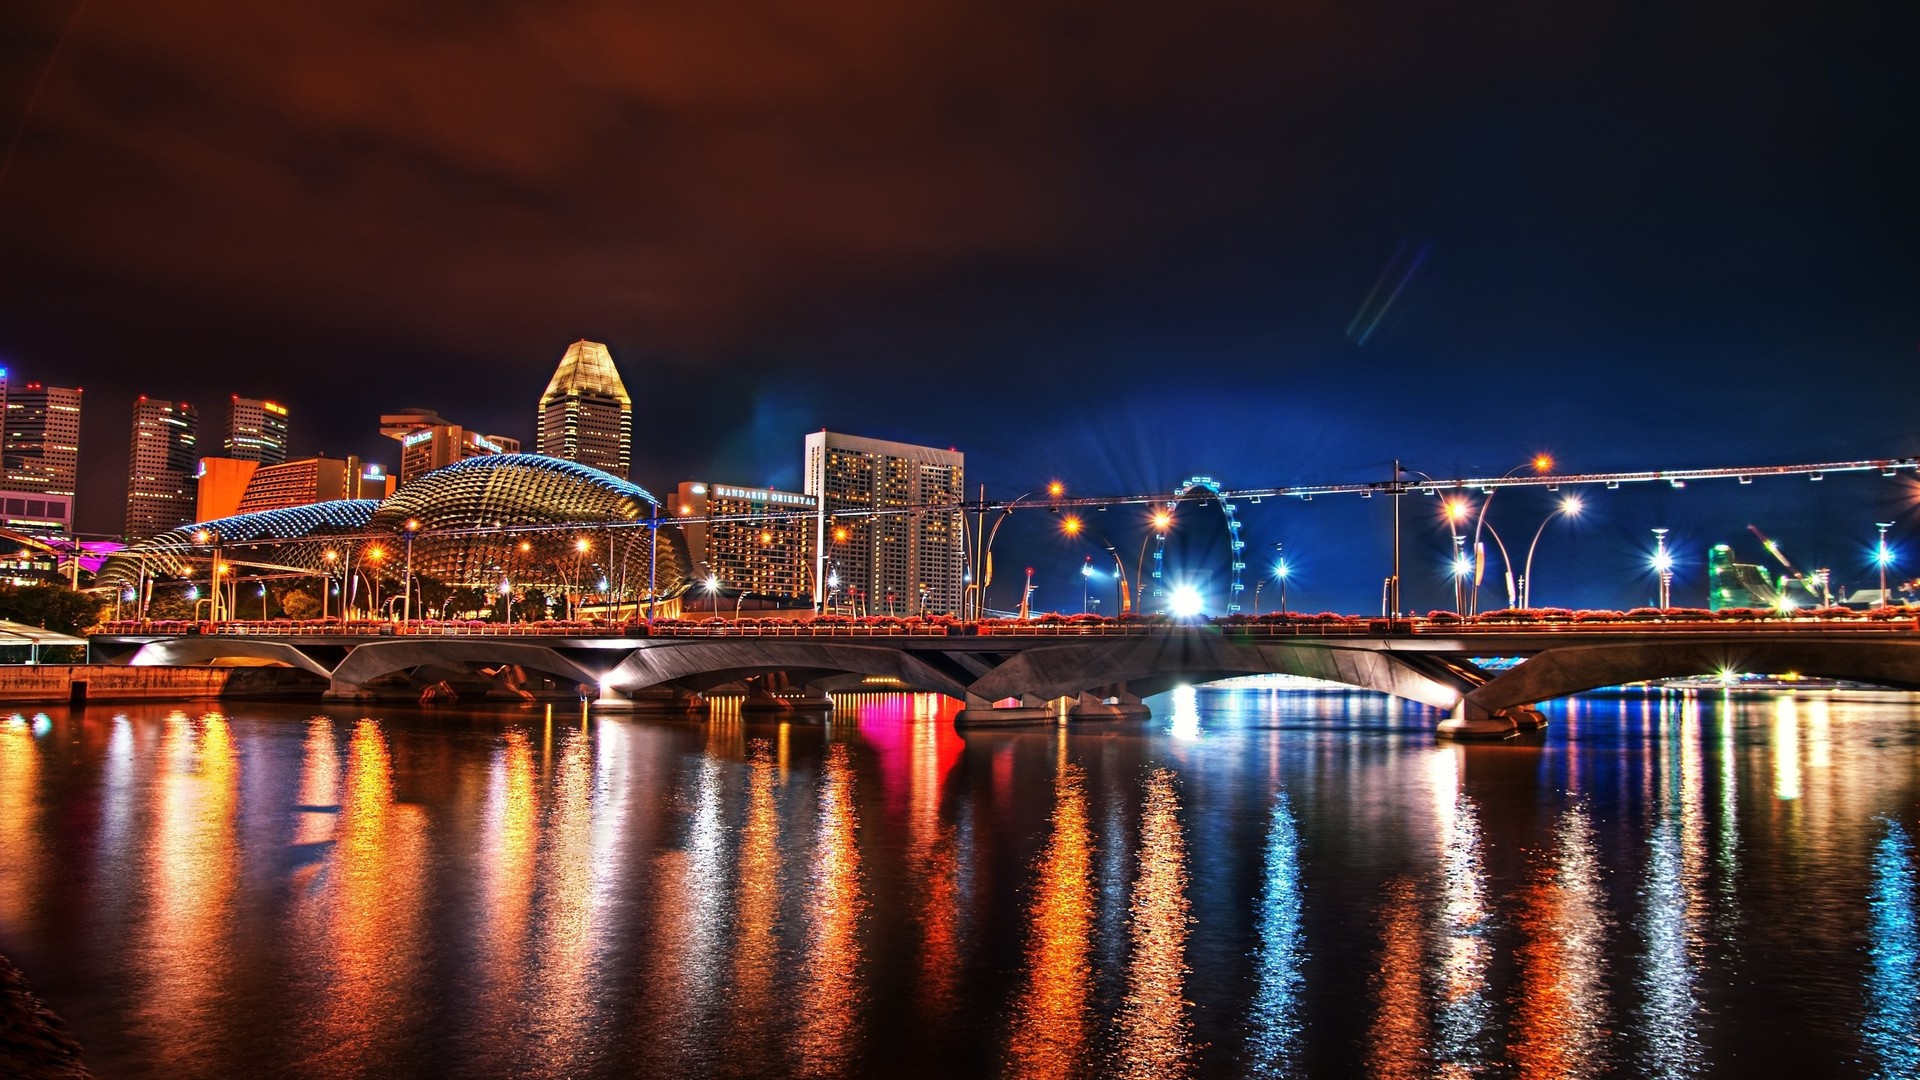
53,607
298,603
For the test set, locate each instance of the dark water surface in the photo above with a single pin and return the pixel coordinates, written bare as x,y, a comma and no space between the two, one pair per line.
1252,883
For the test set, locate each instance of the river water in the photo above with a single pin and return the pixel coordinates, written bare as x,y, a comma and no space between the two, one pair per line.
1253,883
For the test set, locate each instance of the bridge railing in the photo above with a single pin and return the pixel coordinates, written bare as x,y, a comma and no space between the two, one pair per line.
1312,627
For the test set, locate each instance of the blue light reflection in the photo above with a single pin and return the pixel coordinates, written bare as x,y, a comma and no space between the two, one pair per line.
1892,1030
1276,1005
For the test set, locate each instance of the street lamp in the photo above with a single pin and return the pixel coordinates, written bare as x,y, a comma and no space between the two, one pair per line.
581,546
406,606
1663,565
1162,521
1280,570
1053,490
211,537
326,582
1073,526
1541,463
1570,506
378,555
713,592
1883,556
1461,566
1086,583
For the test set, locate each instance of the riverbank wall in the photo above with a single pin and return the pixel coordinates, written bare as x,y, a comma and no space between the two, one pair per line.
80,683
34,1044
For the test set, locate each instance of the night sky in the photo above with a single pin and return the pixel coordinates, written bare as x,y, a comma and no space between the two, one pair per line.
1117,244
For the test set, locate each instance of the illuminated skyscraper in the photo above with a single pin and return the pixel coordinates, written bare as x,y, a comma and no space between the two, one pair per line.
43,439
256,431
760,541
586,415
428,441
160,467
899,559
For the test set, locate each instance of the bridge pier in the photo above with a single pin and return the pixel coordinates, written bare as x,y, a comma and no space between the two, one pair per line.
1470,723
807,699
1094,705
652,701
981,712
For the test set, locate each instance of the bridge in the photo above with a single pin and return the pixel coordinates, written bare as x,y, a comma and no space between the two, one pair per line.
1010,672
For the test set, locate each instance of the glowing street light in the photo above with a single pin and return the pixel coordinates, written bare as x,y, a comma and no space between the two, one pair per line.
1884,556
1185,602
1663,565
326,582
713,592
1569,506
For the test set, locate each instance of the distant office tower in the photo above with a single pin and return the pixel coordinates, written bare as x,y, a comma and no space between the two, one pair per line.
428,442
586,415
160,467
256,431
305,481
43,439
904,560
761,541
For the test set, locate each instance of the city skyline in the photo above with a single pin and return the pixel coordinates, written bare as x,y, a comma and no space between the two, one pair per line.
1335,579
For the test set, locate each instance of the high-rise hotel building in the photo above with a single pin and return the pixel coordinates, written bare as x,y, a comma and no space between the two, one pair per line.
256,431
161,484
586,415
892,554
752,539
428,441
41,455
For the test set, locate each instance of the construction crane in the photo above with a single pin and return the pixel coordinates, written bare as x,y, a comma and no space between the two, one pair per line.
1808,582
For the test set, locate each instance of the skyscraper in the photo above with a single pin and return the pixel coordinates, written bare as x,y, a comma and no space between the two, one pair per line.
428,441
42,451
897,558
160,467
586,415
256,431
759,540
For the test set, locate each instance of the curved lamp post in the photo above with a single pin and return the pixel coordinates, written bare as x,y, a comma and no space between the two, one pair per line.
406,606
1570,507
1541,463
1162,521
1053,491
1073,526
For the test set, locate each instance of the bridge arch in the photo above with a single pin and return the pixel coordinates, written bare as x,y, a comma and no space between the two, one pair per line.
714,661
1236,548
195,651
378,658
1069,669
1560,672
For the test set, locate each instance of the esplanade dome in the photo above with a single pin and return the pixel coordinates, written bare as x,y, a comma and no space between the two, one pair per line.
519,518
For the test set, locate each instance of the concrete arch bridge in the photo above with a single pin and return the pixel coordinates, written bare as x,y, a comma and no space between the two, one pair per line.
1009,672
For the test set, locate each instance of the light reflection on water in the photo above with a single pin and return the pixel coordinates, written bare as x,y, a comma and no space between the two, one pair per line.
1670,1002
1311,888
1154,1029
1053,1020
832,993
1560,1007
1893,985
1462,923
190,893
1275,1016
